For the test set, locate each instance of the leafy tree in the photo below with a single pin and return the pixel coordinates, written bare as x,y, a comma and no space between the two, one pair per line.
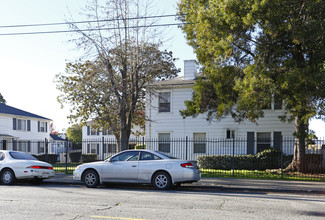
255,51
2,100
74,133
123,56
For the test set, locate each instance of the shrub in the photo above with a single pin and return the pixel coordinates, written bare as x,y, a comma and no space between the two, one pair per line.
267,159
140,146
75,156
50,158
86,158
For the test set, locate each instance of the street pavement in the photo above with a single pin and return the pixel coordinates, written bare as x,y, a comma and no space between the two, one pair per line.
230,184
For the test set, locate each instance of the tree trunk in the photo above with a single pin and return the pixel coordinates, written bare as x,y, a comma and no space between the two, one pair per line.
298,160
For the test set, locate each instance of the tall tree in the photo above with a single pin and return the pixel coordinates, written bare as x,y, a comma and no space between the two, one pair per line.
2,100
74,133
254,51
123,55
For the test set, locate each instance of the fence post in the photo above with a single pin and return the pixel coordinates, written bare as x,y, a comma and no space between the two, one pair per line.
103,144
143,143
66,155
281,148
233,156
186,145
46,150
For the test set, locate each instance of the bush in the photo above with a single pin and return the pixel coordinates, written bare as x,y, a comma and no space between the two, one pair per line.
75,156
140,146
267,159
50,158
86,158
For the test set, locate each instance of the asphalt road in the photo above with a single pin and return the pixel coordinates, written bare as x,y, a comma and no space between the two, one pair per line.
26,201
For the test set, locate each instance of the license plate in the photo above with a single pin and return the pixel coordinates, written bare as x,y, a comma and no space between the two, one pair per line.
45,175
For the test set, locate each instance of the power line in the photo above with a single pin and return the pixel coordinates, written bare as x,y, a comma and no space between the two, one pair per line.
83,30
82,22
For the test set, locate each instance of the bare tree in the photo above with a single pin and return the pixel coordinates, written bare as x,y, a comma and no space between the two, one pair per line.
122,51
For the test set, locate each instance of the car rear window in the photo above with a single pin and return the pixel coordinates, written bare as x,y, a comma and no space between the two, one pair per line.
167,155
21,156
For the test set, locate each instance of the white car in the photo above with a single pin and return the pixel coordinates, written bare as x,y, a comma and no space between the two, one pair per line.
139,166
15,165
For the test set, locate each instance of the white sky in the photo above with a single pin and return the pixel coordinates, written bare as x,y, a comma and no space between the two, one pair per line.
29,63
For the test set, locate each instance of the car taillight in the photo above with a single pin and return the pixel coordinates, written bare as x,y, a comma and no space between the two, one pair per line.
40,167
187,165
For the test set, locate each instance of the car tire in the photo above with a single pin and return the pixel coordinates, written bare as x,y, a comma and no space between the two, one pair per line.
90,179
8,177
161,180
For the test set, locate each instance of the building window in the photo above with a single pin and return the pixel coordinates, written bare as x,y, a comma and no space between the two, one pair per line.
164,102
277,103
92,131
230,134
199,142
109,148
41,147
263,141
107,132
42,126
21,125
164,142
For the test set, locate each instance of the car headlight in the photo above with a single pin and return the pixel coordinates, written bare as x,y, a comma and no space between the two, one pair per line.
78,167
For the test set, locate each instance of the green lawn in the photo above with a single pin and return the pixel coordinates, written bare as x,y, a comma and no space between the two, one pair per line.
249,174
256,174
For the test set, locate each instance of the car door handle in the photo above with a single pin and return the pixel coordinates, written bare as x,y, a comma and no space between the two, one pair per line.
134,165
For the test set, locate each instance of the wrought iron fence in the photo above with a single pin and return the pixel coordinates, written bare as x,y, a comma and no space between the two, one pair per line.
239,157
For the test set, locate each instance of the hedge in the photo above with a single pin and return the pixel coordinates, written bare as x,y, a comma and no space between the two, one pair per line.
50,158
86,158
75,156
267,159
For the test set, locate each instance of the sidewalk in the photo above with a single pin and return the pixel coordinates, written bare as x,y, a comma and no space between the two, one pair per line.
231,184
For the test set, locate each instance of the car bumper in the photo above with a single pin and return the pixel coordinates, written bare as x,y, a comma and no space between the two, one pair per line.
77,174
39,174
190,175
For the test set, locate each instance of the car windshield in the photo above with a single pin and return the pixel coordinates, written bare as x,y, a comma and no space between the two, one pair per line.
167,155
21,156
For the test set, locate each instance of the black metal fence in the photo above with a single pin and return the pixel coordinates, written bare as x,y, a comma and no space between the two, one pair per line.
239,157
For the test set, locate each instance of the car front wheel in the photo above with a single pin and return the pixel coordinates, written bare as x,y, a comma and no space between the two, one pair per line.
161,180
90,179
7,177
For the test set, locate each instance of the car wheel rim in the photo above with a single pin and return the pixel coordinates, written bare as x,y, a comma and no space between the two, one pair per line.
7,177
90,179
161,181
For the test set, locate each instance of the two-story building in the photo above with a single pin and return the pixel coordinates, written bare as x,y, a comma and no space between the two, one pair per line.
22,130
166,99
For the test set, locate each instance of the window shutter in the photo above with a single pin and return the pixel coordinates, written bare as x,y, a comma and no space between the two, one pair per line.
28,125
39,126
250,142
88,148
38,147
14,142
14,124
97,149
28,146
104,148
88,130
46,127
277,140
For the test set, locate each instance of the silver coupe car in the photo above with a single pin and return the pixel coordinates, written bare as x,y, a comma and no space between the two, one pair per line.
139,166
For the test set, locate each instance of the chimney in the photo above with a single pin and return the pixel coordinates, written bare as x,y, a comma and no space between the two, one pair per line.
189,69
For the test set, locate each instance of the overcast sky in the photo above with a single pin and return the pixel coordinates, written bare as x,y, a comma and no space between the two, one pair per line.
29,63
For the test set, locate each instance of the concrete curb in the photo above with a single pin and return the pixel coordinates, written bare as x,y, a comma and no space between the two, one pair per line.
229,184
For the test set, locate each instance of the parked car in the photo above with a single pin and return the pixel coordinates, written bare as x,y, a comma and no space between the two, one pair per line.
16,165
139,166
